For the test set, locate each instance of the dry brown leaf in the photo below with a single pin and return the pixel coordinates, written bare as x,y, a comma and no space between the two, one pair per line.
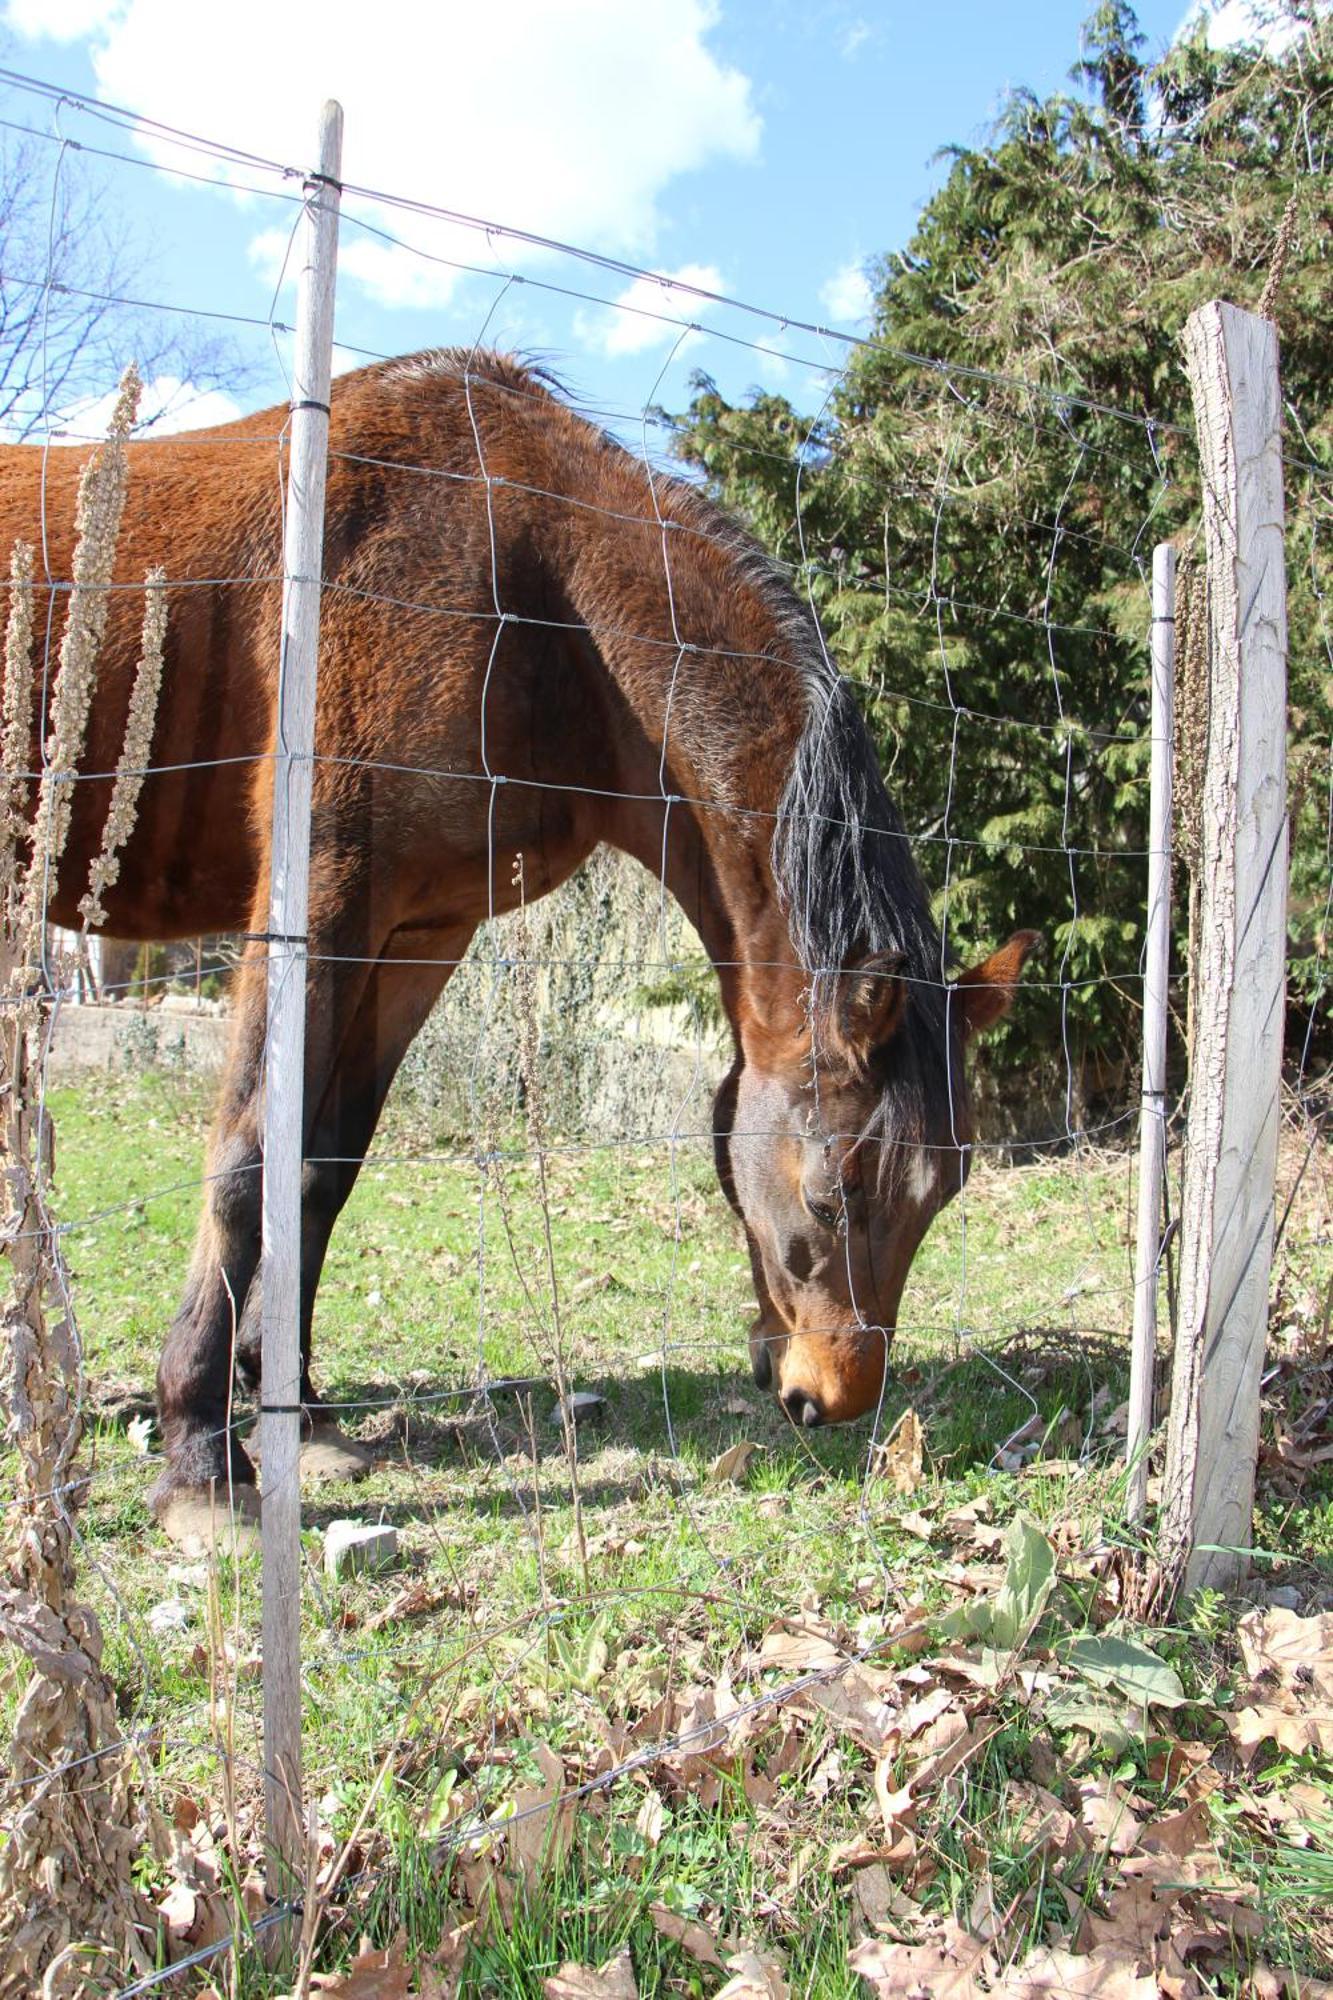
1041,1820
489,1890
1131,1924
1298,1650
1105,1974
898,1812
926,1710
1289,1727
732,1463
193,1917
755,1976
876,1894
946,1967
1265,1984
372,1975
414,1600
1106,1812
688,1933
446,1968
1179,1833
613,1981
944,1722
962,1745
800,1649
856,1707
1291,1807
539,1834
649,1819
984,1920
900,1459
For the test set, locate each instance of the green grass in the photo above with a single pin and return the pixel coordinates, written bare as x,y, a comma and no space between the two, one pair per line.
1018,1304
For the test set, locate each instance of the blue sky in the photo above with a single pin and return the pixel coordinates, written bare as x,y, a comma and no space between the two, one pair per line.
764,150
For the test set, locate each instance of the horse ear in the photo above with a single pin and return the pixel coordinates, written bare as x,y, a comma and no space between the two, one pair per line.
985,994
868,1003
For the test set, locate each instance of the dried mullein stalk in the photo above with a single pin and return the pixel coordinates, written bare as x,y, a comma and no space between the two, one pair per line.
72,1805
16,724
133,765
97,524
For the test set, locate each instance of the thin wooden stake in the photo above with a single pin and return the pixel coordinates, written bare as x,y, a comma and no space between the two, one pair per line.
1236,1059
280,1420
1156,971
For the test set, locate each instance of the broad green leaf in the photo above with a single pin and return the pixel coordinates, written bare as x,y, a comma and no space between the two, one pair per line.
1028,1582
1005,1620
1134,1670
1099,1717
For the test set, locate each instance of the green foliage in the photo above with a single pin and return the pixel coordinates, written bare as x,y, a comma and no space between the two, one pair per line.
980,523
1006,1620
1132,1670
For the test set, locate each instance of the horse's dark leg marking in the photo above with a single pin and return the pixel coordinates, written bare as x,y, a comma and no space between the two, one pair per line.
219,1314
767,1327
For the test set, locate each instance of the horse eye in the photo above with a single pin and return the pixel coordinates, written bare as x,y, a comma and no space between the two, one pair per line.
824,1214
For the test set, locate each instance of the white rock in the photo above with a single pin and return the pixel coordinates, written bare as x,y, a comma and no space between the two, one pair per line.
580,1403
169,1616
353,1546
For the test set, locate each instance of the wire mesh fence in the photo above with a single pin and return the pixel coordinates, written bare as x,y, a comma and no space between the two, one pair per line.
594,817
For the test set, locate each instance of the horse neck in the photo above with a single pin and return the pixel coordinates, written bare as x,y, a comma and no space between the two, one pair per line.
704,650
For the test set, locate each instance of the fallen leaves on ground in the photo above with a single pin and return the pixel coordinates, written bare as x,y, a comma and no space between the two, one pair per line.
613,1981
733,1463
946,1966
755,1976
542,1826
1290,1663
900,1459
691,1935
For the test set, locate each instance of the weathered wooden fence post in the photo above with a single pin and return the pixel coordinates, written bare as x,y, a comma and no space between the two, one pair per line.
280,1409
1156,972
1231,1139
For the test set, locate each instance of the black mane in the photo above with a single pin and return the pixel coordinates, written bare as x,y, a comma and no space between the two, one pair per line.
845,871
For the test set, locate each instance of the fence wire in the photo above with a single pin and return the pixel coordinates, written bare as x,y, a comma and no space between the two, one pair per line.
557,1103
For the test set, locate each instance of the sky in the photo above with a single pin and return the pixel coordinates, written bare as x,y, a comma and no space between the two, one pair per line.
765,149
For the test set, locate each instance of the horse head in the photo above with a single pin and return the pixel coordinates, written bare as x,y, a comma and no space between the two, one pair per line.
838,1151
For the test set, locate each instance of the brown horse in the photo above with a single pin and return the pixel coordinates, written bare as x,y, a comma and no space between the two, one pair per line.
529,645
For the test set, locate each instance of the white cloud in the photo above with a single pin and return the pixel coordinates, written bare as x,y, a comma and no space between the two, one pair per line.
855,36
167,404
847,296
59,20
647,313
1236,23
566,120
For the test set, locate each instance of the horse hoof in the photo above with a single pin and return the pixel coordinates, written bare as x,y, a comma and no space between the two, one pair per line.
201,1524
330,1455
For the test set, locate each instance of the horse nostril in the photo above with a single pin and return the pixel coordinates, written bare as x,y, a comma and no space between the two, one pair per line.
802,1409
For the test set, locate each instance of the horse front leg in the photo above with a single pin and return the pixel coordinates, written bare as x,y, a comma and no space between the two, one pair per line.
767,1330
207,1476
400,993
208,1483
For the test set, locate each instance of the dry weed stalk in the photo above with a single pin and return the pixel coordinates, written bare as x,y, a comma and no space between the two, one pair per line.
97,518
72,1812
16,723
134,756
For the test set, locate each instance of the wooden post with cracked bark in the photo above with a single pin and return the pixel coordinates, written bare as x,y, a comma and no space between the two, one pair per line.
284,1073
1239,975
